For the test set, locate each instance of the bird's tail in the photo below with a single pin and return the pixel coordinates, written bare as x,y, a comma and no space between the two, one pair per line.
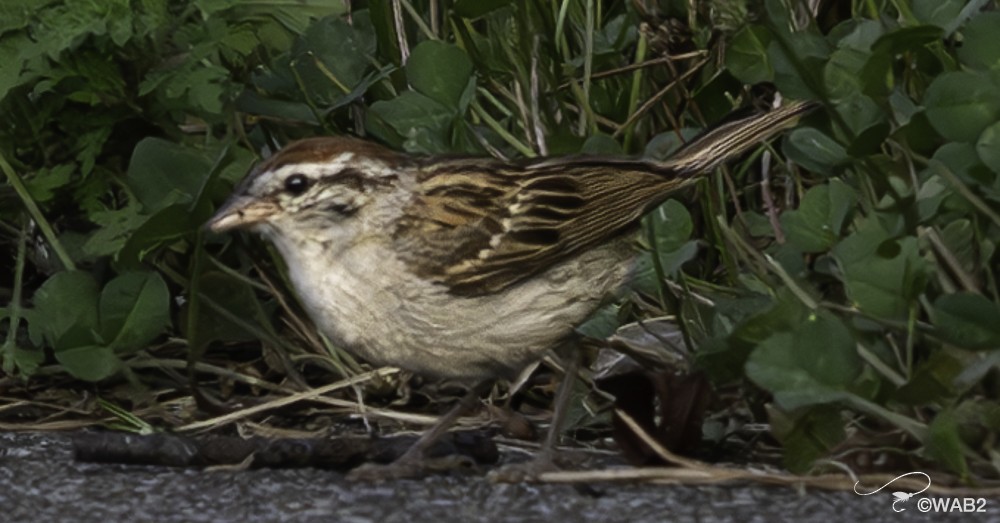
733,137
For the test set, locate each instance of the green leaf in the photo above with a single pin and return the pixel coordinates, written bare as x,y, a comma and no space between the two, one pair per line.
294,15
932,381
815,226
600,143
842,74
411,120
134,309
959,237
813,364
944,443
780,315
163,173
439,70
960,105
15,14
968,320
946,14
253,103
47,181
600,324
962,159
66,304
89,363
746,56
233,295
814,150
164,227
13,62
116,227
806,435
876,75
803,60
882,275
988,147
867,122
27,360
333,57
979,48
672,225
478,8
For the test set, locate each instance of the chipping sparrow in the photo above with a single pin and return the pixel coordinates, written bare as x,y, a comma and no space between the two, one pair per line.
466,268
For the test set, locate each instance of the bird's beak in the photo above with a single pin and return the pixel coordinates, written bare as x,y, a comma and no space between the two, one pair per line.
240,212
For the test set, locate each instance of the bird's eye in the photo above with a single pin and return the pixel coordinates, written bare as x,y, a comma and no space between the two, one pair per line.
297,183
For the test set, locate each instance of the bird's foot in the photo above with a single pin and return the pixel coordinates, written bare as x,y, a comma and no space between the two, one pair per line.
411,468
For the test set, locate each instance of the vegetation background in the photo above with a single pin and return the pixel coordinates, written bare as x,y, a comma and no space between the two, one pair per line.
839,285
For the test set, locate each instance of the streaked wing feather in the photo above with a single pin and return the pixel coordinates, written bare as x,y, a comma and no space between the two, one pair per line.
479,226
532,218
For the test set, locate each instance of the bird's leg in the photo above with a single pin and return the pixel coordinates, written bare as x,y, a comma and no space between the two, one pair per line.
414,463
545,460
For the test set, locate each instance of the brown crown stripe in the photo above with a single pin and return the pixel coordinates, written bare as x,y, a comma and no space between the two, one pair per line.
324,148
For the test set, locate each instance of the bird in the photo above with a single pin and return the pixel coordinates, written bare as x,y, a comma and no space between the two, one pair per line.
466,268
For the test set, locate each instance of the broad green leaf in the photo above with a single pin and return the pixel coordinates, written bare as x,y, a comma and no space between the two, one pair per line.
988,147
932,381
164,227
946,14
333,58
253,103
875,76
672,225
420,123
134,309
815,226
813,364
163,173
600,143
979,48
968,320
66,305
842,74
806,435
944,444
860,34
960,105
882,275
803,59
962,159
90,362
867,122
746,55
440,71
600,324
814,150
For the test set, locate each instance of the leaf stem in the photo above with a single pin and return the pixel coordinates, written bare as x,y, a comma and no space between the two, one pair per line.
495,125
36,214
